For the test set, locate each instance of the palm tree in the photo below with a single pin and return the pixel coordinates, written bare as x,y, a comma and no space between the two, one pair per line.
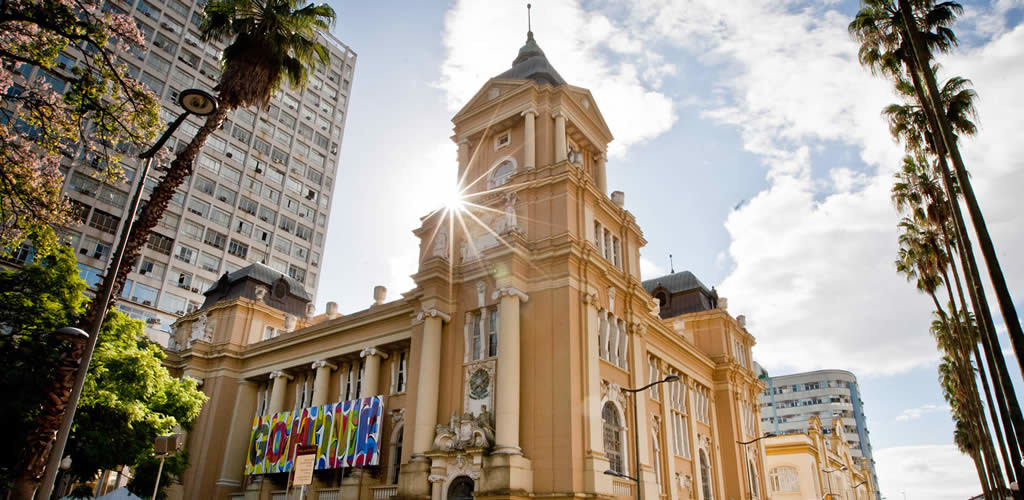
909,123
273,42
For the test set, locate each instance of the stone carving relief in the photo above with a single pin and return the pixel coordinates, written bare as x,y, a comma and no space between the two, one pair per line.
465,432
261,292
611,391
290,322
611,298
440,248
481,294
478,380
511,220
310,310
202,330
397,417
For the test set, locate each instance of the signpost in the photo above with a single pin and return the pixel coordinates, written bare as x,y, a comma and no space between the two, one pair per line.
305,456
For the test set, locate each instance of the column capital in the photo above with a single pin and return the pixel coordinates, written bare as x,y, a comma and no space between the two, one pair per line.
510,291
591,299
433,313
559,114
464,142
637,328
530,111
373,351
320,363
280,373
601,156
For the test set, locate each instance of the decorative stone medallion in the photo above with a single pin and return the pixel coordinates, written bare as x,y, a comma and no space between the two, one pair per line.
479,384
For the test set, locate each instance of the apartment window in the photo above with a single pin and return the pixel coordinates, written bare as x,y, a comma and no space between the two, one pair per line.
185,253
152,268
193,230
297,274
287,224
104,221
282,245
94,248
314,175
173,304
271,194
293,185
237,248
209,262
215,239
199,207
164,43
261,146
83,184
182,279
300,252
143,294
160,243
158,63
204,185
267,215
225,195
90,275
279,156
232,175
305,131
263,235
276,176
241,134
243,227
315,260
248,206
303,233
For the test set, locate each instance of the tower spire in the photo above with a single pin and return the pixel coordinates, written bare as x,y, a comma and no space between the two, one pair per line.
529,27
671,267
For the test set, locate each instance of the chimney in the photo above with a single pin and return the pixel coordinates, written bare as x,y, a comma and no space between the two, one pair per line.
723,304
332,310
380,294
619,198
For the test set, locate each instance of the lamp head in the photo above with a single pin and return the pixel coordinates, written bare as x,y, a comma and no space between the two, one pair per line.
197,102
72,334
671,378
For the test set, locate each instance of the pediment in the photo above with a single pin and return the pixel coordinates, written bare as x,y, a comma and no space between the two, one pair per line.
486,95
587,105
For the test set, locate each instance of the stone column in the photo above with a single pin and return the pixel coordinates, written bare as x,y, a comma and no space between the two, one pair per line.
428,380
280,380
506,404
463,154
560,149
599,172
371,371
530,136
436,483
233,466
322,381
595,461
641,419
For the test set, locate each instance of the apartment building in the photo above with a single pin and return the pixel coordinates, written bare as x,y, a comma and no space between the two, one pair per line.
790,401
262,187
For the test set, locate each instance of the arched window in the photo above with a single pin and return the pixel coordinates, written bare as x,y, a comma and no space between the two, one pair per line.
395,454
662,299
784,479
501,172
613,437
753,479
705,476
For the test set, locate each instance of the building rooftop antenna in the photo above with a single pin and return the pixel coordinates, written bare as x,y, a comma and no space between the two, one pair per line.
671,267
529,27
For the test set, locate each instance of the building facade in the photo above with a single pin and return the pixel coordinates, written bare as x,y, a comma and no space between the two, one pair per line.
502,373
816,464
262,186
789,401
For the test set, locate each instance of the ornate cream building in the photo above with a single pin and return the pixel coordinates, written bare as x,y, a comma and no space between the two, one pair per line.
814,465
501,373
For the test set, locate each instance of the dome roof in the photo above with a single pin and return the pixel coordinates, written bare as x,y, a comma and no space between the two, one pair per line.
531,64
675,282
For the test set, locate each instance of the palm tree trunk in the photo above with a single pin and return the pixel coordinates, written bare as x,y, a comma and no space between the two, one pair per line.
944,133
1013,422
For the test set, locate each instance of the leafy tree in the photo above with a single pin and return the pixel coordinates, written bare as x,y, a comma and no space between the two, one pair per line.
129,397
89,109
273,42
141,484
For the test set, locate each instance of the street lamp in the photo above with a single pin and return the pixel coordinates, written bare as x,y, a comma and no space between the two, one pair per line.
829,476
636,435
750,479
854,489
194,102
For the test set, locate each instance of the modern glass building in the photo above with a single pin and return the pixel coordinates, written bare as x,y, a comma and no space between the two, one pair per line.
262,187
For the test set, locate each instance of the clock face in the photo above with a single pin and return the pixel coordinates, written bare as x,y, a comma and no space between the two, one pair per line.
479,383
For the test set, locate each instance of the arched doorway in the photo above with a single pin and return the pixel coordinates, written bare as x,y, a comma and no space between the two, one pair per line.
461,489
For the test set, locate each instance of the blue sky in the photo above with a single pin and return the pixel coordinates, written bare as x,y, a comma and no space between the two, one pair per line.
750,146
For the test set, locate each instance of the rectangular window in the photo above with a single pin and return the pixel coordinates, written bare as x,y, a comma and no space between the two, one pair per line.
94,248
160,243
477,337
303,233
193,230
401,371
492,333
248,206
238,249
276,176
616,259
241,134
90,275
293,185
282,245
199,207
209,262
297,274
243,227
286,224
225,195
152,268
104,221
271,194
204,185
173,304
279,156
186,253
115,197
261,146
215,239
267,215
144,295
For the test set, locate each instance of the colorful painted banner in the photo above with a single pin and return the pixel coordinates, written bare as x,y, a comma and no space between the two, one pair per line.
346,434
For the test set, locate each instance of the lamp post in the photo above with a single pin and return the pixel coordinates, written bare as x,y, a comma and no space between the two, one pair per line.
750,480
194,102
829,476
636,436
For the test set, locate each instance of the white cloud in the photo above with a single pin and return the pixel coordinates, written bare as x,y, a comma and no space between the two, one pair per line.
585,48
915,413
935,472
648,269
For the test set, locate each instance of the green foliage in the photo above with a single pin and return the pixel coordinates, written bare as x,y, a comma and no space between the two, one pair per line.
37,300
129,397
141,484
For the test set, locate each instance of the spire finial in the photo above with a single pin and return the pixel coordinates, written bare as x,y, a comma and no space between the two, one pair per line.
671,266
529,27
